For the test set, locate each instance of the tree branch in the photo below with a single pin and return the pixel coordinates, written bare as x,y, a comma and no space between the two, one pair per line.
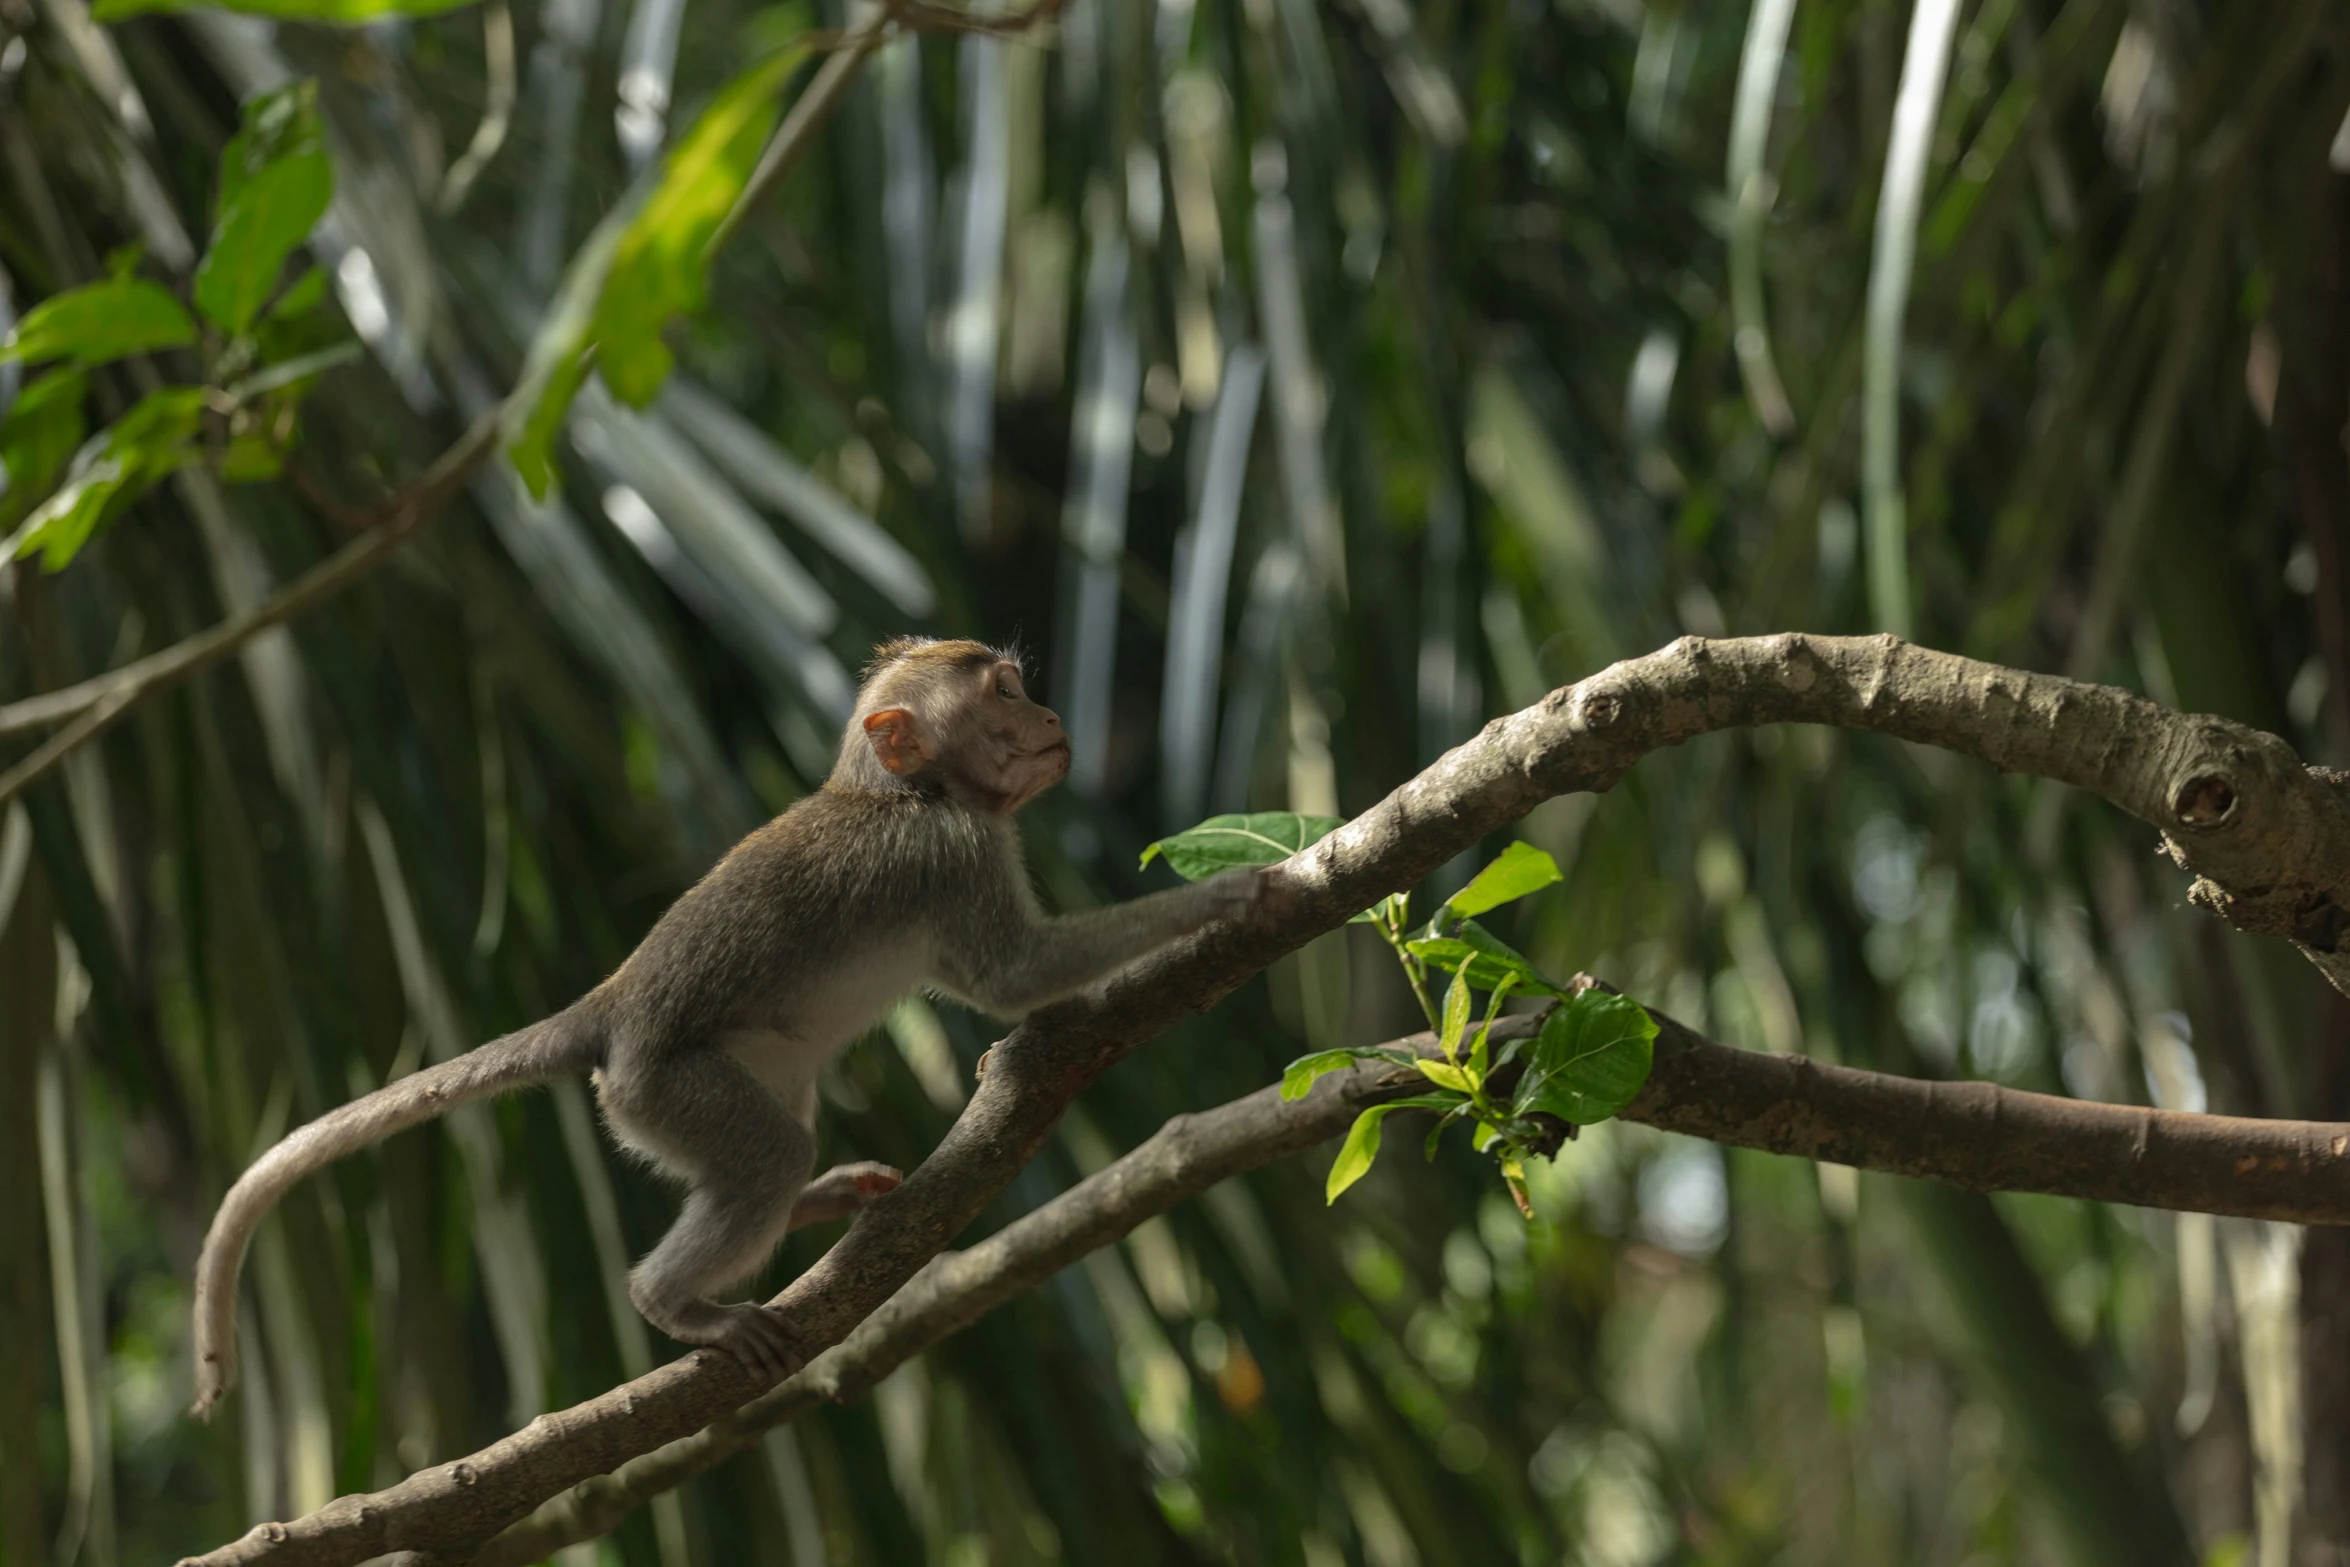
1976,1135
1181,1159
2268,837
90,708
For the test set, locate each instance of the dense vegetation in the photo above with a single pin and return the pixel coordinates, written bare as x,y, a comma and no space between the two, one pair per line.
1300,385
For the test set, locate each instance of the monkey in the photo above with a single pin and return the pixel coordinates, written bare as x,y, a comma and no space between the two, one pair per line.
901,873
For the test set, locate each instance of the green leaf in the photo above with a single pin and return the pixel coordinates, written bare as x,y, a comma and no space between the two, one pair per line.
643,264
1222,842
1484,957
1362,1140
337,13
305,294
275,183
1518,870
1591,1058
99,322
112,468
662,267
1456,1017
42,428
1480,1056
1445,1075
1298,1078
251,457
557,364
1356,1153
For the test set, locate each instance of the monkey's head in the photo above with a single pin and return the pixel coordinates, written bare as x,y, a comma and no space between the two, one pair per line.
954,717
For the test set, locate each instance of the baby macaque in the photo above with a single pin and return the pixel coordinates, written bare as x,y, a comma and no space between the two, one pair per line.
903,872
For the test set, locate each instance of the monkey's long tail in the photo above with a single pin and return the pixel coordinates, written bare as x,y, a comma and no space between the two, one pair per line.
570,1041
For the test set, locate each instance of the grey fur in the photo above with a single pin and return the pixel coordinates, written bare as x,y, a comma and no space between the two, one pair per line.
707,1041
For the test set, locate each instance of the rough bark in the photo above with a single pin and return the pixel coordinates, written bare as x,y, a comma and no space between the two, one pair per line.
2022,1135
2268,839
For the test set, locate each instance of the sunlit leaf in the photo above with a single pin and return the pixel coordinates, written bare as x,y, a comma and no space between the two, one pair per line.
557,364
275,184
305,294
1362,1140
99,322
661,269
1299,1077
1480,1054
1445,1075
341,13
1223,842
1485,958
645,263
112,468
1516,871
1356,1153
1590,1060
1456,1017
43,427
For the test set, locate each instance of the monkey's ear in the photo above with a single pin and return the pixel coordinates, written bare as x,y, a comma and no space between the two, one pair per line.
897,740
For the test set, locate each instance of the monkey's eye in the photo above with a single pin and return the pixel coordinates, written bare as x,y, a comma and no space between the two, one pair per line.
1003,691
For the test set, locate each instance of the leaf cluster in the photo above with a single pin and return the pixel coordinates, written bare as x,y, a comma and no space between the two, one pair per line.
1587,1061
262,341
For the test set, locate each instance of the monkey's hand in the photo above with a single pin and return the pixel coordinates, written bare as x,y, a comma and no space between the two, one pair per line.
842,1190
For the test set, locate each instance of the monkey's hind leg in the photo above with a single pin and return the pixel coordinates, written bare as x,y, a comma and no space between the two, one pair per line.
705,1118
844,1189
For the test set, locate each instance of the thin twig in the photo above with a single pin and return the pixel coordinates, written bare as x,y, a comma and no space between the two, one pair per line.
94,705
497,47
850,50
58,746
825,93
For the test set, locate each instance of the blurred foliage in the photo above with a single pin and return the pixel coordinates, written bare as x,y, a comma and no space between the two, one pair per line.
1301,385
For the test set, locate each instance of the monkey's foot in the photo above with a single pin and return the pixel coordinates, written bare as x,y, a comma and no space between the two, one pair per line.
842,1190
758,1337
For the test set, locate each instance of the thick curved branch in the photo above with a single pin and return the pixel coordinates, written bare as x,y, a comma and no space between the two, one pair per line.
1976,1135
2268,836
